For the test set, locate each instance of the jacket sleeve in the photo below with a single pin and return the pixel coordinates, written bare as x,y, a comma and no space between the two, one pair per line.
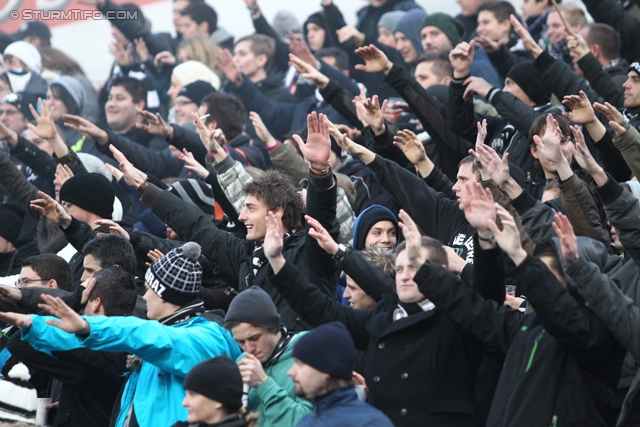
582,210
46,338
341,100
503,59
16,184
488,272
171,349
78,233
159,163
493,324
612,159
72,160
349,85
346,218
430,111
279,406
232,178
440,183
629,146
436,215
193,225
512,109
536,217
40,162
316,308
32,296
289,163
612,13
570,324
617,311
600,80
183,138
281,59
623,212
373,281
383,145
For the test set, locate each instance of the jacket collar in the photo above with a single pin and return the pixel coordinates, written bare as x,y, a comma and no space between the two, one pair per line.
382,323
341,396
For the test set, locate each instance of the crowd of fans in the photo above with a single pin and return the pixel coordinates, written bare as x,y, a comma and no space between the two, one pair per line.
419,220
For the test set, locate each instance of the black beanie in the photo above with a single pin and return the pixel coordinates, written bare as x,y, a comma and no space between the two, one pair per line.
91,192
11,219
635,67
21,101
254,306
316,18
195,192
328,348
218,379
196,91
529,78
177,276
367,219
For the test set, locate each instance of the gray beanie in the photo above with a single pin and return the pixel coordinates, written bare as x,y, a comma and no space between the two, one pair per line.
389,19
74,87
254,306
285,21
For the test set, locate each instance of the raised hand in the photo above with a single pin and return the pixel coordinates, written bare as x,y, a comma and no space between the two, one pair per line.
141,49
213,140
318,145
121,54
509,237
322,236
51,209
495,167
86,128
132,176
414,239
10,293
273,241
8,135
615,117
479,208
348,145
578,45
261,130
309,72
581,109
528,41
349,33
89,285
193,165
224,61
375,60
154,255
584,158
372,113
69,320
461,58
156,126
476,86
164,57
63,173
17,319
114,228
298,46
487,44
45,127
411,146
549,144
568,240
117,173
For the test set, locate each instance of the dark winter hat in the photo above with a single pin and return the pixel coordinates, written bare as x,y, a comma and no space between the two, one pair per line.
453,28
409,25
254,306
91,192
196,193
177,276
196,91
367,219
316,18
218,379
635,67
21,101
328,348
35,29
529,78
11,219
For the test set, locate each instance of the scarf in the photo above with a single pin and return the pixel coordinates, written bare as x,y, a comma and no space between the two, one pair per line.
406,310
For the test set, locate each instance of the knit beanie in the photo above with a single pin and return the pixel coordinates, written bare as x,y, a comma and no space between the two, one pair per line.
27,53
285,21
11,219
218,379
18,397
196,193
529,78
196,91
21,101
177,276
255,307
91,192
73,87
635,67
328,348
447,24
192,71
409,25
315,18
367,219
388,20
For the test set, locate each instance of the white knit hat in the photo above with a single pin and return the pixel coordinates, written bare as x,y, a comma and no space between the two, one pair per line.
27,53
191,71
18,398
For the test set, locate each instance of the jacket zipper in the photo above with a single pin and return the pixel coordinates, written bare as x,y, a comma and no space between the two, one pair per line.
533,351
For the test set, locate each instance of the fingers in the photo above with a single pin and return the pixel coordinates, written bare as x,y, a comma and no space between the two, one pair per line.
315,224
620,130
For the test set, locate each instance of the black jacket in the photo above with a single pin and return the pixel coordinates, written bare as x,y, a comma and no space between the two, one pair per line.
10,261
420,370
91,381
234,256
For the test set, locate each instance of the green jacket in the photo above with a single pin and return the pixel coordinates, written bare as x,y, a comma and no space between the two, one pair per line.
275,399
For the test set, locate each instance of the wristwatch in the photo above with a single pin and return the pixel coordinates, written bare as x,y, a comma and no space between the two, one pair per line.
340,254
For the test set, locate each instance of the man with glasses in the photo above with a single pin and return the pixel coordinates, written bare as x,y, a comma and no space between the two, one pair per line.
14,110
45,271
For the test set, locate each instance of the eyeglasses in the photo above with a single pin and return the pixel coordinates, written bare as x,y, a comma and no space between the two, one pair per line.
182,103
66,205
27,282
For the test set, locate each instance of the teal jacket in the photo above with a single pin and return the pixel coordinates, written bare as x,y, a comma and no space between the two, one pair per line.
168,352
275,399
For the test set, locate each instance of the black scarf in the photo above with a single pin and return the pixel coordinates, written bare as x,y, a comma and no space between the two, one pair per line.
285,339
